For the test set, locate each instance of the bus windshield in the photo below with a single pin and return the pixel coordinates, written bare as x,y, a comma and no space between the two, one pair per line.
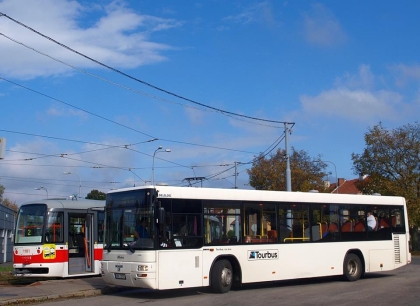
30,223
129,223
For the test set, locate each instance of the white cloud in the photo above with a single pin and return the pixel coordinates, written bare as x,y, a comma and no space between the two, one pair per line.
356,105
406,73
119,37
321,27
195,115
57,111
365,79
260,12
26,168
355,98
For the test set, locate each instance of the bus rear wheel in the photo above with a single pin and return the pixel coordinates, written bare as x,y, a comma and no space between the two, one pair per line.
352,267
221,276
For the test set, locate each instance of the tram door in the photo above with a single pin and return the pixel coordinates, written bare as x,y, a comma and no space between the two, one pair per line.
80,242
88,243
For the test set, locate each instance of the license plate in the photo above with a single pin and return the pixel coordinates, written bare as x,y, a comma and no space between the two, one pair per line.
119,275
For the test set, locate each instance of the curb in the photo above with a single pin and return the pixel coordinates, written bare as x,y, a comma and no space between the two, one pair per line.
55,297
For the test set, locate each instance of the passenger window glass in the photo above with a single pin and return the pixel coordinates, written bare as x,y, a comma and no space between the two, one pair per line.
319,222
222,222
54,232
260,223
294,223
183,227
350,216
397,220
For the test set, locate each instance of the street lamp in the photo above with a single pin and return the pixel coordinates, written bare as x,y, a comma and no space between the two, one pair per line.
335,168
160,149
80,182
41,187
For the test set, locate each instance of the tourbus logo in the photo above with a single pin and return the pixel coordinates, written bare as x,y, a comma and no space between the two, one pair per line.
263,255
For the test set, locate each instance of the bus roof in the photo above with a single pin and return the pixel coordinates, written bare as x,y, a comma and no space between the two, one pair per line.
266,195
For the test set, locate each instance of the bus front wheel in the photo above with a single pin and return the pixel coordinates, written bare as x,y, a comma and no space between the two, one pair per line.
221,276
352,267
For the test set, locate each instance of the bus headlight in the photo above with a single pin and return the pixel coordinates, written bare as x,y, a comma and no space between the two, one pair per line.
143,268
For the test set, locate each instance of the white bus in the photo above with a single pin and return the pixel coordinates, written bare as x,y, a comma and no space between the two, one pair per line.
196,236
58,238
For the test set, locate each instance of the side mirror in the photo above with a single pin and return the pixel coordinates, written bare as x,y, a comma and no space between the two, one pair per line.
152,197
161,215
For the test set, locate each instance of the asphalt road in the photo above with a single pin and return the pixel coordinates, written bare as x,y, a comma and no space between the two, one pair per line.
399,287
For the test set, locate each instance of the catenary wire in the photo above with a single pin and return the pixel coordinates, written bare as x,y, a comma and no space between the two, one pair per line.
129,88
134,78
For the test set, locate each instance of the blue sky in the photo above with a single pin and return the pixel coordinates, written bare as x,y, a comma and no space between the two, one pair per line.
333,68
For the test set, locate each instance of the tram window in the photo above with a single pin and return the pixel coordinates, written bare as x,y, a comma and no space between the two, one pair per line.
30,223
101,222
76,235
54,231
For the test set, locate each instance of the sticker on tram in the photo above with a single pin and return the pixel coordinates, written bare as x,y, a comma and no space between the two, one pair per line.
48,251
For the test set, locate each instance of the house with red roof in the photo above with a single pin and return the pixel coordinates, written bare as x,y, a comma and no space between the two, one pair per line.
346,186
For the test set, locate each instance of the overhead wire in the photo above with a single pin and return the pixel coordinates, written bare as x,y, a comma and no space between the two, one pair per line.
76,107
127,87
75,153
134,78
73,140
54,182
109,120
97,164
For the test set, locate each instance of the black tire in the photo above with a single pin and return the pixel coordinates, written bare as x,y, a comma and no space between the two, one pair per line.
221,276
352,267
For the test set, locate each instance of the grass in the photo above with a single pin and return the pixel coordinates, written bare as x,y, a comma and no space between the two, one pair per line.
6,269
6,274
7,278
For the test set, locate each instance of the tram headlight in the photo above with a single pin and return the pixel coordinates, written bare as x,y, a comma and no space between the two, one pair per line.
142,268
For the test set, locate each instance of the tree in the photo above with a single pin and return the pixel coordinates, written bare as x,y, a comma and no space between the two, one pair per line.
96,195
11,204
6,202
1,193
270,173
392,161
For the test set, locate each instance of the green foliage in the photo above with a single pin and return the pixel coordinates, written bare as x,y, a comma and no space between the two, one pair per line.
269,173
96,195
392,161
6,202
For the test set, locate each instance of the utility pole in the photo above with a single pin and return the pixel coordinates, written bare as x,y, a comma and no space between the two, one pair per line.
236,174
2,147
288,172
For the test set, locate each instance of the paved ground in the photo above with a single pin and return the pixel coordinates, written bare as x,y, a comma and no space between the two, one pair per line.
45,290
